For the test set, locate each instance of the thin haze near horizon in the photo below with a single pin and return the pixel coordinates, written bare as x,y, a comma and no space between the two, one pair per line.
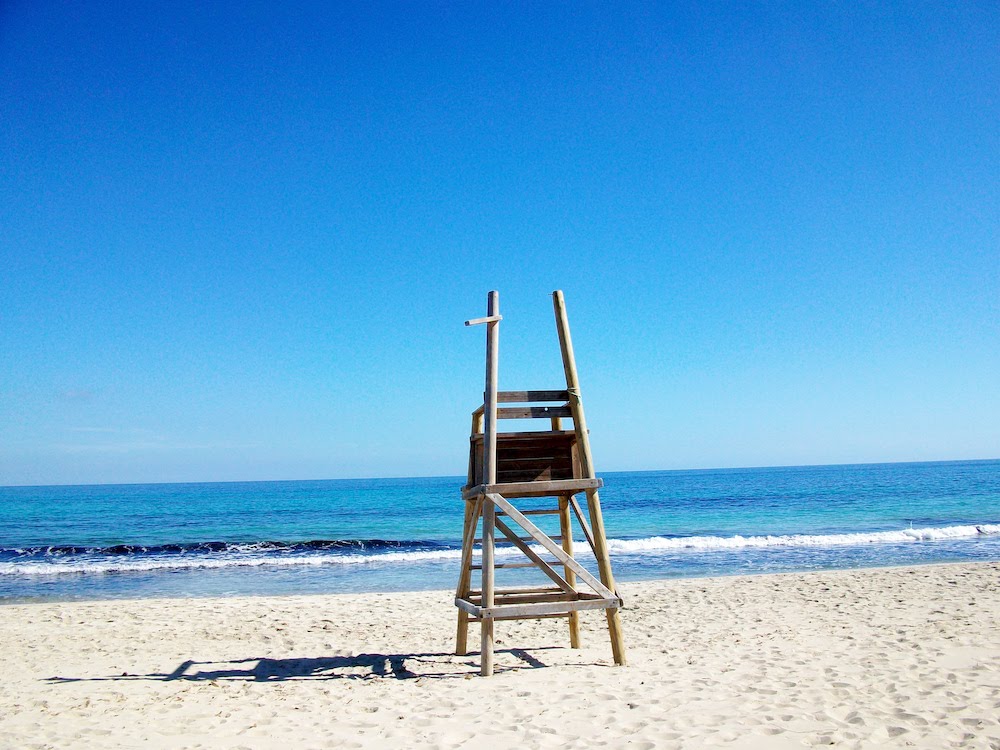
238,241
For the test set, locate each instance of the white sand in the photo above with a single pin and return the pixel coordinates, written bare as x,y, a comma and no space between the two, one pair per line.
906,657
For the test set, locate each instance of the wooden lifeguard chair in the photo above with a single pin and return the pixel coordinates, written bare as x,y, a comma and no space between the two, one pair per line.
506,468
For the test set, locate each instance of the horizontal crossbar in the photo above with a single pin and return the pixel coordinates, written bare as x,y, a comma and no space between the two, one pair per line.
487,319
538,609
500,600
544,488
518,564
529,590
524,617
533,412
502,540
529,397
542,435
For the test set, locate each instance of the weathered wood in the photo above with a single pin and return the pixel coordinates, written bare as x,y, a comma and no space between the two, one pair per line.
551,605
473,611
528,434
543,565
537,464
490,404
515,476
554,487
487,319
547,451
473,457
521,464
528,464
526,457
530,397
487,569
587,466
553,549
566,537
477,422
534,489
511,565
529,598
472,511
526,590
465,575
468,607
514,610
534,412
583,523
525,617
489,474
537,453
508,541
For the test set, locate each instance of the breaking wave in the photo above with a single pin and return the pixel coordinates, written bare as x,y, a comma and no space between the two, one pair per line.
662,544
133,558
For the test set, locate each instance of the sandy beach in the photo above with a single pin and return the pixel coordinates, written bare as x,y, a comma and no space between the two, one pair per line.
900,657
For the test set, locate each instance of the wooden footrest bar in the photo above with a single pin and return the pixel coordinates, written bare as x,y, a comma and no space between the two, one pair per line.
528,590
526,598
533,489
524,617
501,540
535,609
517,565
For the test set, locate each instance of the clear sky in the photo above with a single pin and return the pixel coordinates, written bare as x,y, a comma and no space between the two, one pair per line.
238,240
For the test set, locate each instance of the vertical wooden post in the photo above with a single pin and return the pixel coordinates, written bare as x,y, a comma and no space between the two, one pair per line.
464,577
587,465
476,427
471,517
472,510
489,477
566,531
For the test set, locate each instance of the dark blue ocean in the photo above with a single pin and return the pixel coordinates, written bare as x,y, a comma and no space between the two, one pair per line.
211,539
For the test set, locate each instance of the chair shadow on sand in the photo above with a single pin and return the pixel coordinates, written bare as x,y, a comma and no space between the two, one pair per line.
358,667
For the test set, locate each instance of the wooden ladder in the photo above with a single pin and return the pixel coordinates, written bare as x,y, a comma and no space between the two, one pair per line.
507,467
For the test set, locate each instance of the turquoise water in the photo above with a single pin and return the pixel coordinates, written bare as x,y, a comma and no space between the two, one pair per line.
111,541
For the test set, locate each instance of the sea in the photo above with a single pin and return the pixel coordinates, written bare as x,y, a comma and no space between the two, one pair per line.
380,535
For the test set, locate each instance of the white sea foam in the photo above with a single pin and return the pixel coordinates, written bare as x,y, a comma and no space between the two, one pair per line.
662,544
117,565
648,546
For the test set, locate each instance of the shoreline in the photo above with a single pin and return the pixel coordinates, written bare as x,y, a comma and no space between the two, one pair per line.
626,583
891,657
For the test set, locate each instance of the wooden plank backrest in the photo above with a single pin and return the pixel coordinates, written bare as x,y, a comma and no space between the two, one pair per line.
530,411
529,456
531,397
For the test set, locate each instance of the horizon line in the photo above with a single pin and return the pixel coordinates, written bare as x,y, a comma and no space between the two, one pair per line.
451,476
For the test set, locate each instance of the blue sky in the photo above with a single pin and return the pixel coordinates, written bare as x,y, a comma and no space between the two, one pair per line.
239,241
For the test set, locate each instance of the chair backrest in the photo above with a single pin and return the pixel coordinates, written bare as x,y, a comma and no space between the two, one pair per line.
534,456
529,456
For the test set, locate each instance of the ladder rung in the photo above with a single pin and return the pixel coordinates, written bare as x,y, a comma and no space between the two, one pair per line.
541,512
522,397
535,597
517,565
505,540
533,412
507,592
525,617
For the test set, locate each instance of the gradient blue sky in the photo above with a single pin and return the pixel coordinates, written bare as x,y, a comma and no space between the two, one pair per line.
238,241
